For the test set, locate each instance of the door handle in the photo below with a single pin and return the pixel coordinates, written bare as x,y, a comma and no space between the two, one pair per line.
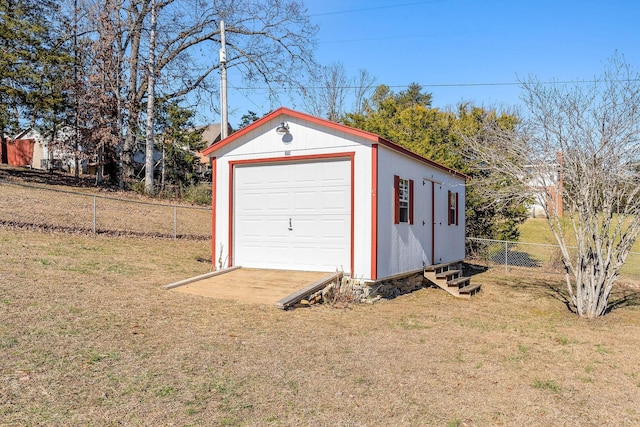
290,226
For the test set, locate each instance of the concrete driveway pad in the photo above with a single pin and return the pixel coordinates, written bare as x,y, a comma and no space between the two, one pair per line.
250,285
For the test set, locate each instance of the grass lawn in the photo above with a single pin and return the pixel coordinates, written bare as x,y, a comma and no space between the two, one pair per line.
88,338
536,230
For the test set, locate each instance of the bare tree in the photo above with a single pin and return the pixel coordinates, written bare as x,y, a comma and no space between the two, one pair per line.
269,41
579,150
330,88
99,87
149,143
363,87
328,92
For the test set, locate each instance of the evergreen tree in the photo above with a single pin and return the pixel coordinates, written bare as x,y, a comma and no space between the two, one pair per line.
408,119
32,60
179,142
247,119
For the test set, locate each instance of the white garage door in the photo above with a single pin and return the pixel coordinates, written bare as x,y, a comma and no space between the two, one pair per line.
293,215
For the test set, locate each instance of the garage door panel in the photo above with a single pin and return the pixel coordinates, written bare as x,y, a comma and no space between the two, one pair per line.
251,228
248,181
278,176
275,202
335,229
333,171
306,258
304,228
305,201
277,258
313,197
317,229
251,200
304,175
276,228
334,201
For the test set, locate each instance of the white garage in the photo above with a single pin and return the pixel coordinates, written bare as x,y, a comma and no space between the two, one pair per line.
297,192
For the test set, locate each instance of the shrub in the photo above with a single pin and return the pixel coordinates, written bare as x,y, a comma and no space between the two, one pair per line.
198,194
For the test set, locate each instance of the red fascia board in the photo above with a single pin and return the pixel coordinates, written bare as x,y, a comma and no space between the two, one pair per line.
376,139
295,114
402,150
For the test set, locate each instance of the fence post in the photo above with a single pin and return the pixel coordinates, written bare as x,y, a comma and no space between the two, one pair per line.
94,215
175,222
506,257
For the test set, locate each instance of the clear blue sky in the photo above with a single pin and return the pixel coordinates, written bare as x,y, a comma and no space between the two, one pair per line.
466,50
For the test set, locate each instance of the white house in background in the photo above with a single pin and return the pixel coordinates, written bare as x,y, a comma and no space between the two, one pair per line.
546,188
45,157
293,191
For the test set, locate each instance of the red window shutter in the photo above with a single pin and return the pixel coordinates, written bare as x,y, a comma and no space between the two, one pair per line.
410,201
449,208
396,199
457,207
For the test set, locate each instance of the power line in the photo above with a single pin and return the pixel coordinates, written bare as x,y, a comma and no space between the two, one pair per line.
372,39
436,85
366,9
237,90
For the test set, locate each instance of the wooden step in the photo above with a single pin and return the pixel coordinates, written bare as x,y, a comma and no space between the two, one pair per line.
442,267
448,274
464,281
450,279
470,289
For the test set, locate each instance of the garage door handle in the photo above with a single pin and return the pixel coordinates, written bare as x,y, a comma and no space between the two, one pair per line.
290,226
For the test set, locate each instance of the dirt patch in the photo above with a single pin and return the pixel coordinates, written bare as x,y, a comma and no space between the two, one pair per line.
249,285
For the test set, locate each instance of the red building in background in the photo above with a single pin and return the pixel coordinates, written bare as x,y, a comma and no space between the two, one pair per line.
18,152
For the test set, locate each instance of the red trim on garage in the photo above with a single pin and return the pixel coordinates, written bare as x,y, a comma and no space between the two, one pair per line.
230,216
396,199
410,201
213,212
448,207
291,158
344,155
457,204
294,114
433,222
374,211
376,139
353,197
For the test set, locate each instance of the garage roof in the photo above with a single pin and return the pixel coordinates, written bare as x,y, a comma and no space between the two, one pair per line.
376,139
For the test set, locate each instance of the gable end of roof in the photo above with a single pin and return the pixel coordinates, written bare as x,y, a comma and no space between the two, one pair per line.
373,138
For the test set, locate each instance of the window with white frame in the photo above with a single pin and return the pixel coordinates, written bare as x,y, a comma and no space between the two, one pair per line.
404,200
403,203
453,208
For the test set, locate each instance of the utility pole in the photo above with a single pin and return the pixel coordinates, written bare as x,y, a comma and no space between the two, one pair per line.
224,120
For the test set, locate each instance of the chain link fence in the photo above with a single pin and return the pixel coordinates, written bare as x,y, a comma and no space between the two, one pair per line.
29,206
543,257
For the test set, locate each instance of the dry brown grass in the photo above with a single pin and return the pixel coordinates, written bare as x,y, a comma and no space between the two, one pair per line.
30,201
88,338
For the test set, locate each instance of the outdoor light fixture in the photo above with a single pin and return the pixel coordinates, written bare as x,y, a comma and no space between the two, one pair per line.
282,129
